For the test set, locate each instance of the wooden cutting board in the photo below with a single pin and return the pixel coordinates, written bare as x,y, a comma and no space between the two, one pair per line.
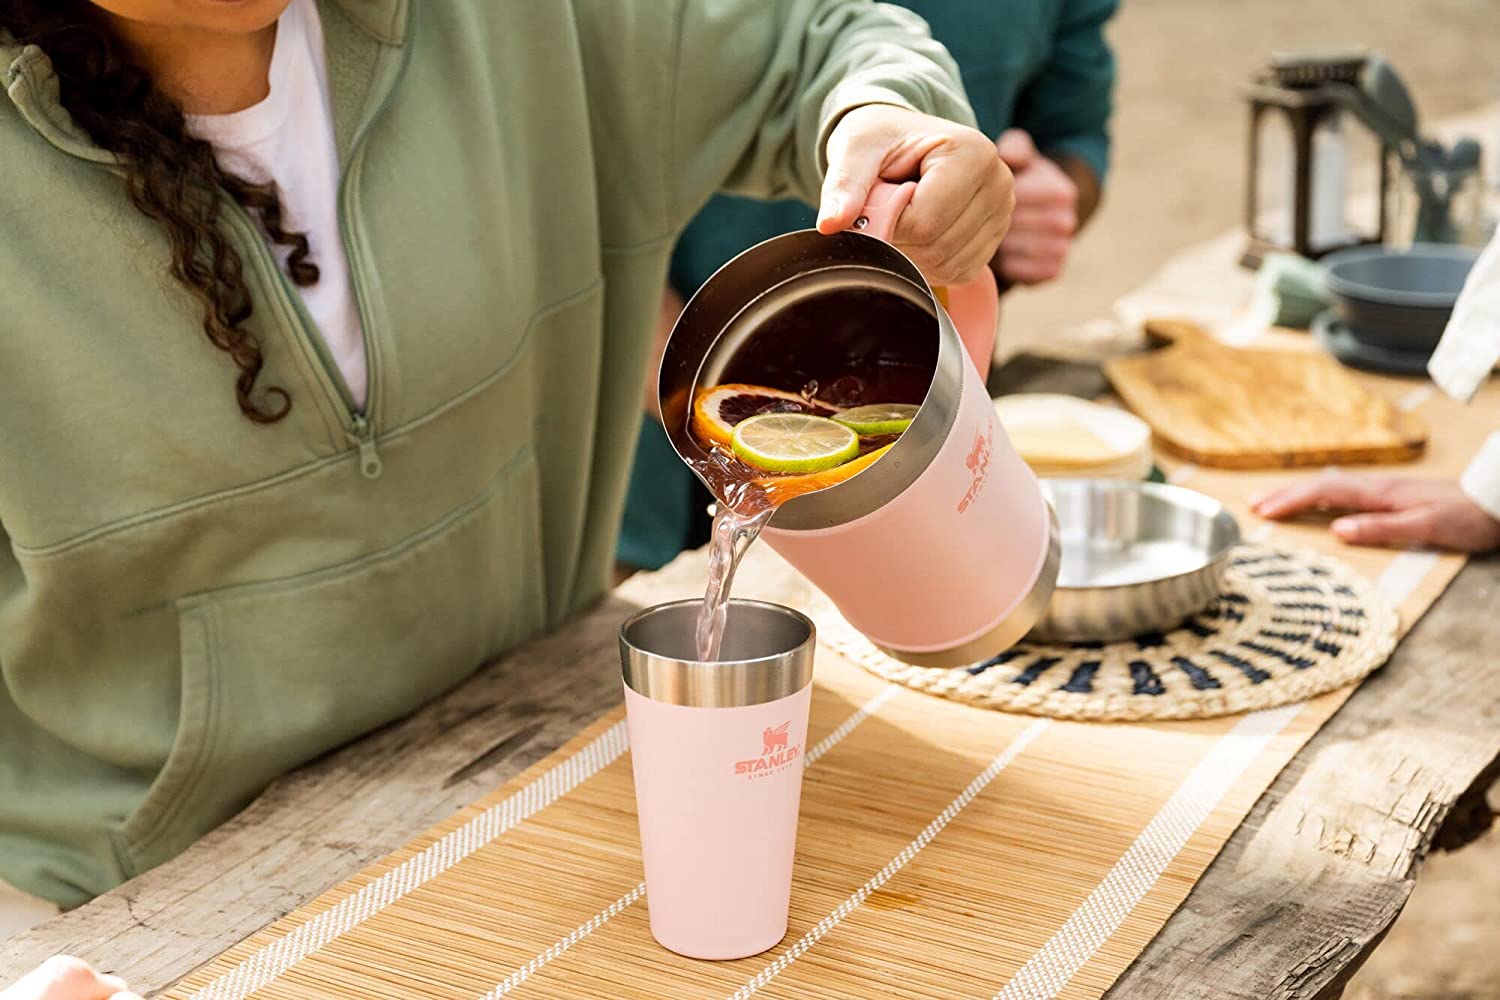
1245,408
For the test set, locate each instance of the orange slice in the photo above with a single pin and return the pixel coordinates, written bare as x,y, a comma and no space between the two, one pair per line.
717,410
783,488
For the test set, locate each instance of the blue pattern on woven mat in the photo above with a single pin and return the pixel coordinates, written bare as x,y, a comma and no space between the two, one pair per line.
1146,681
1300,662
1082,679
1035,669
1316,623
1199,629
995,661
1202,679
1253,673
1303,606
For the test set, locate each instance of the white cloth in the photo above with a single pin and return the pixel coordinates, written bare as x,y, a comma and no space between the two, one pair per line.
1481,480
288,139
20,912
1464,359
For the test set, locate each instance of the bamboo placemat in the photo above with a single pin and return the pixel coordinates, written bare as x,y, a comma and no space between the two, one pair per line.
944,850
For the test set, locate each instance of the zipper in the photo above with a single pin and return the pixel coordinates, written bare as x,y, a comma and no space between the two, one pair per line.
363,434
359,422
362,424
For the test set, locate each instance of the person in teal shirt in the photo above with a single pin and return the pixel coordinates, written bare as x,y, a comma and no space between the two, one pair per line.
1040,76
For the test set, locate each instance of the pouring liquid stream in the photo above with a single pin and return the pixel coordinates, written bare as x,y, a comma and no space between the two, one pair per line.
734,529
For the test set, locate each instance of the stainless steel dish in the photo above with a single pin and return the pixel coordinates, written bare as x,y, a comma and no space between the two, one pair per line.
1136,557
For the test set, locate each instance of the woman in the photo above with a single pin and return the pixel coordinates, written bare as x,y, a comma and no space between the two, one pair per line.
324,327
1404,511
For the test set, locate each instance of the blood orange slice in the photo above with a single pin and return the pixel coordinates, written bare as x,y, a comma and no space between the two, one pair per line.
783,488
717,410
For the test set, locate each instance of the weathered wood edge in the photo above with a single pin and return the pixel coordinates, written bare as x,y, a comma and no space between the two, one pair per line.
1324,863
322,823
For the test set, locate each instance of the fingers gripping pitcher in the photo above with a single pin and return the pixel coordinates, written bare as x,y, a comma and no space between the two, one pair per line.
940,547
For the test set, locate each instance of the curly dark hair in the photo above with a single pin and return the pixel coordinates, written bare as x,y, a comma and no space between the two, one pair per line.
170,176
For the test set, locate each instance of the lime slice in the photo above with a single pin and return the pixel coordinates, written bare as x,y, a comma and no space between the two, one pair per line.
793,442
878,418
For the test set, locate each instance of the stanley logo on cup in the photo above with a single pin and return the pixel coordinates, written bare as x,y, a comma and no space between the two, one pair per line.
775,755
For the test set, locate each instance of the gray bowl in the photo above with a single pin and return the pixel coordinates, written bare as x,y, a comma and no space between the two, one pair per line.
1397,299
1136,558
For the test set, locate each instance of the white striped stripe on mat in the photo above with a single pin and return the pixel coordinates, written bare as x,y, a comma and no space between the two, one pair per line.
274,959
1047,971
900,861
1404,574
598,920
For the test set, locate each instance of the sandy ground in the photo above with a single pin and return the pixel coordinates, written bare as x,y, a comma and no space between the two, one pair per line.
1180,134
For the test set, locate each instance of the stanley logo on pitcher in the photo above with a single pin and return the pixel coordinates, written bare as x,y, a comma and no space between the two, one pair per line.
978,464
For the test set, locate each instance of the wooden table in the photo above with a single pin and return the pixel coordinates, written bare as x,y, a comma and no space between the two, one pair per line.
1293,905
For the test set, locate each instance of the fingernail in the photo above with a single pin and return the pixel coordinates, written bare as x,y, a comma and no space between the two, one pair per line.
1256,499
1345,528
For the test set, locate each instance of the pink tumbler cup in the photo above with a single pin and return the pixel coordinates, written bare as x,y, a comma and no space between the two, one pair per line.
717,752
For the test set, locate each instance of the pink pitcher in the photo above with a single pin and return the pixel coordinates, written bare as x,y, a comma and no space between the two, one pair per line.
944,552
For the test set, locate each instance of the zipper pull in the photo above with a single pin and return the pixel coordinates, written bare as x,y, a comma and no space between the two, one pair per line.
363,437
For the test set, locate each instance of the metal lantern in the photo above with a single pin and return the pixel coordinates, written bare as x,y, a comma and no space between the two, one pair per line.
1309,153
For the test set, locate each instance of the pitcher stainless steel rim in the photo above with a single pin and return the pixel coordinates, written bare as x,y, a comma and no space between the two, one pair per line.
742,295
772,647
1010,630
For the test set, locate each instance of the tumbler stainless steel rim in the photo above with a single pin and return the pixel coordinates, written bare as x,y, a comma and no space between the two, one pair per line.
649,637
775,275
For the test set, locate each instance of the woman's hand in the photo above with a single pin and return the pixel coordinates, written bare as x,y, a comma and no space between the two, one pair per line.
64,977
1391,510
961,207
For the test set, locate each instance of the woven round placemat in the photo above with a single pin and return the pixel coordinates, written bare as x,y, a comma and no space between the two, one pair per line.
1288,625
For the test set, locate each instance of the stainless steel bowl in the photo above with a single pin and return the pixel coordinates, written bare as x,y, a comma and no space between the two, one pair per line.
1136,558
